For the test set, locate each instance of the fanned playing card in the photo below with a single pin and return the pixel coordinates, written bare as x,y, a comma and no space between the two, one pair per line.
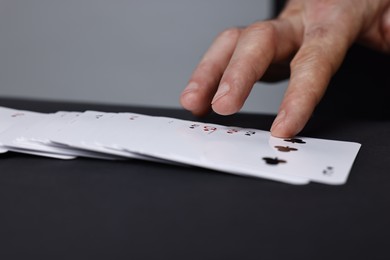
248,152
126,135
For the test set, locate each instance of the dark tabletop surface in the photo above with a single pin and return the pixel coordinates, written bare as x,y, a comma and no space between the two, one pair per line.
96,209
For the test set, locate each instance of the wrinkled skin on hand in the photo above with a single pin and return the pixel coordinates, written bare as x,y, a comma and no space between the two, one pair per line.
307,42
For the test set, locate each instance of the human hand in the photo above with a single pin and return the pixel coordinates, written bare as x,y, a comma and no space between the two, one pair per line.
306,42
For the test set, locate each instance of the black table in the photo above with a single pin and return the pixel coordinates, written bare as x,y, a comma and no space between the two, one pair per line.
96,209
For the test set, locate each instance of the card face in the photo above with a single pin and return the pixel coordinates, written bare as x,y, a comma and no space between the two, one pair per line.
249,152
195,144
15,122
318,160
20,122
41,133
33,137
126,128
230,149
8,117
255,151
76,132
81,133
324,161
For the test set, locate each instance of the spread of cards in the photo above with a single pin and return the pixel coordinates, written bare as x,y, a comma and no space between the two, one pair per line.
121,136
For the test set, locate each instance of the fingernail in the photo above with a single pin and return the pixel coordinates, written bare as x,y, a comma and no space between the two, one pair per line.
222,91
191,87
278,119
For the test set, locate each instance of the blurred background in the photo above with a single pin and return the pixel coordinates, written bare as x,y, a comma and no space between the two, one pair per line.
130,52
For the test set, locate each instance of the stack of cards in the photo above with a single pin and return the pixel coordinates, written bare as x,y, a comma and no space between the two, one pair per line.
121,136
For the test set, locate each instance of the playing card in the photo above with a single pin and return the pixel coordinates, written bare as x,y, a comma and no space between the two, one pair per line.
8,117
81,134
247,152
326,161
53,123
16,137
37,138
194,143
67,132
43,154
14,122
119,128
319,160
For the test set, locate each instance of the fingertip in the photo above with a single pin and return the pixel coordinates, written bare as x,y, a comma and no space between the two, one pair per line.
201,112
278,127
226,101
282,130
189,100
225,106
285,126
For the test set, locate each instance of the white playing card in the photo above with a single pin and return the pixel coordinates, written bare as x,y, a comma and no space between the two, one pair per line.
14,122
37,138
68,132
187,143
123,127
255,152
22,121
325,161
247,152
41,133
318,160
8,117
81,134
43,154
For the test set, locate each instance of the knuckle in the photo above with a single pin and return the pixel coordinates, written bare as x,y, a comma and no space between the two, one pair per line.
312,58
207,66
267,28
266,31
317,32
240,65
207,72
235,77
231,33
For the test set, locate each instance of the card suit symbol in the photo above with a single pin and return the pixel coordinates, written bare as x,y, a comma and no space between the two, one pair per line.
328,171
273,161
232,131
193,126
250,133
295,140
209,128
17,114
285,148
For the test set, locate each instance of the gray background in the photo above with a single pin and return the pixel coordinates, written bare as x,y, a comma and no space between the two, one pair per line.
138,52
